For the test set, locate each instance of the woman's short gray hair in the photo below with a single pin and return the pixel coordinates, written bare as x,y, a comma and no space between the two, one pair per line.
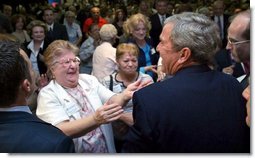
197,32
108,32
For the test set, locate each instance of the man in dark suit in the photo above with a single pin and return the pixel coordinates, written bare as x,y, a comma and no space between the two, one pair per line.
221,19
223,58
55,30
239,42
197,110
20,131
157,20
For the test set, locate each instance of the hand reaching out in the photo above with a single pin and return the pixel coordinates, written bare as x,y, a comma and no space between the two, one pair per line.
108,113
43,81
129,91
152,68
229,70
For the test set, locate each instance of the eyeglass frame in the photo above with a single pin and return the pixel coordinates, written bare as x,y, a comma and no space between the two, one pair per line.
237,42
75,60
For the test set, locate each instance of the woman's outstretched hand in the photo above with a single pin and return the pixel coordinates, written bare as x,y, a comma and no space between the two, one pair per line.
107,113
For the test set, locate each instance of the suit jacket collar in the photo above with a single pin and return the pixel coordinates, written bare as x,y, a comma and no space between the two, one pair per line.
193,69
18,117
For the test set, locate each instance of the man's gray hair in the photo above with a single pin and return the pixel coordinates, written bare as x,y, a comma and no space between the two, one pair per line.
197,32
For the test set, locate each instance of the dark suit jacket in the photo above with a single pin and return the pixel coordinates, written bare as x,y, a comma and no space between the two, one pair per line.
226,24
59,32
196,111
223,59
21,132
156,28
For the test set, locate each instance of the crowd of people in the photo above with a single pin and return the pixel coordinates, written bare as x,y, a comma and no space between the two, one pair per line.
143,77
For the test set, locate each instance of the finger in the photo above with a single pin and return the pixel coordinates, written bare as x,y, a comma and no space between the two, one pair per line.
154,70
113,118
109,111
146,82
246,93
114,114
108,105
154,66
232,66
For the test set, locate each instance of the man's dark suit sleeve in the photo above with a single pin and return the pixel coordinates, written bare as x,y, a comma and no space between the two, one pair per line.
138,138
65,146
65,35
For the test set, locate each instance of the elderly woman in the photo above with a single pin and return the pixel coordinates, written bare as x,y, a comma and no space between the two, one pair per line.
35,48
137,29
103,62
127,62
78,104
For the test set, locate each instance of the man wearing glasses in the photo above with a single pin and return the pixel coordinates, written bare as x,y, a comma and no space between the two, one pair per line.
239,42
239,46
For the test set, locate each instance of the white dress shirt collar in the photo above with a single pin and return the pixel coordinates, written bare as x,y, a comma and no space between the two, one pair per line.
24,108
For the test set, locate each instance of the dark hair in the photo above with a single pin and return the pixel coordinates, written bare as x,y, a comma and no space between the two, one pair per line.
15,19
47,7
14,70
5,24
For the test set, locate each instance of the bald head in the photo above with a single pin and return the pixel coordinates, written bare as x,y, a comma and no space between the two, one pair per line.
239,31
242,21
95,13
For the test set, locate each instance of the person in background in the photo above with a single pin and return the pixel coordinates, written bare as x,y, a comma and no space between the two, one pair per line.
127,62
119,19
77,103
87,49
239,42
73,29
95,18
5,24
35,48
197,110
19,23
17,123
239,46
7,10
145,8
103,61
55,30
137,28
157,20
223,59
204,10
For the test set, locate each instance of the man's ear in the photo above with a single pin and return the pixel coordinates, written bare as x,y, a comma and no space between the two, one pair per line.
185,55
26,86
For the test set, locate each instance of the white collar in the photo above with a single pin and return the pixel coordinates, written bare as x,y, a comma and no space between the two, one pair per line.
50,26
23,108
31,45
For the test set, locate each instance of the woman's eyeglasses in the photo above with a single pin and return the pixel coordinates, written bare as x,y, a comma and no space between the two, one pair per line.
67,62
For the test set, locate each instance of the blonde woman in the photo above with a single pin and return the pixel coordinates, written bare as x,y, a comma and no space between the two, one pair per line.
137,29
